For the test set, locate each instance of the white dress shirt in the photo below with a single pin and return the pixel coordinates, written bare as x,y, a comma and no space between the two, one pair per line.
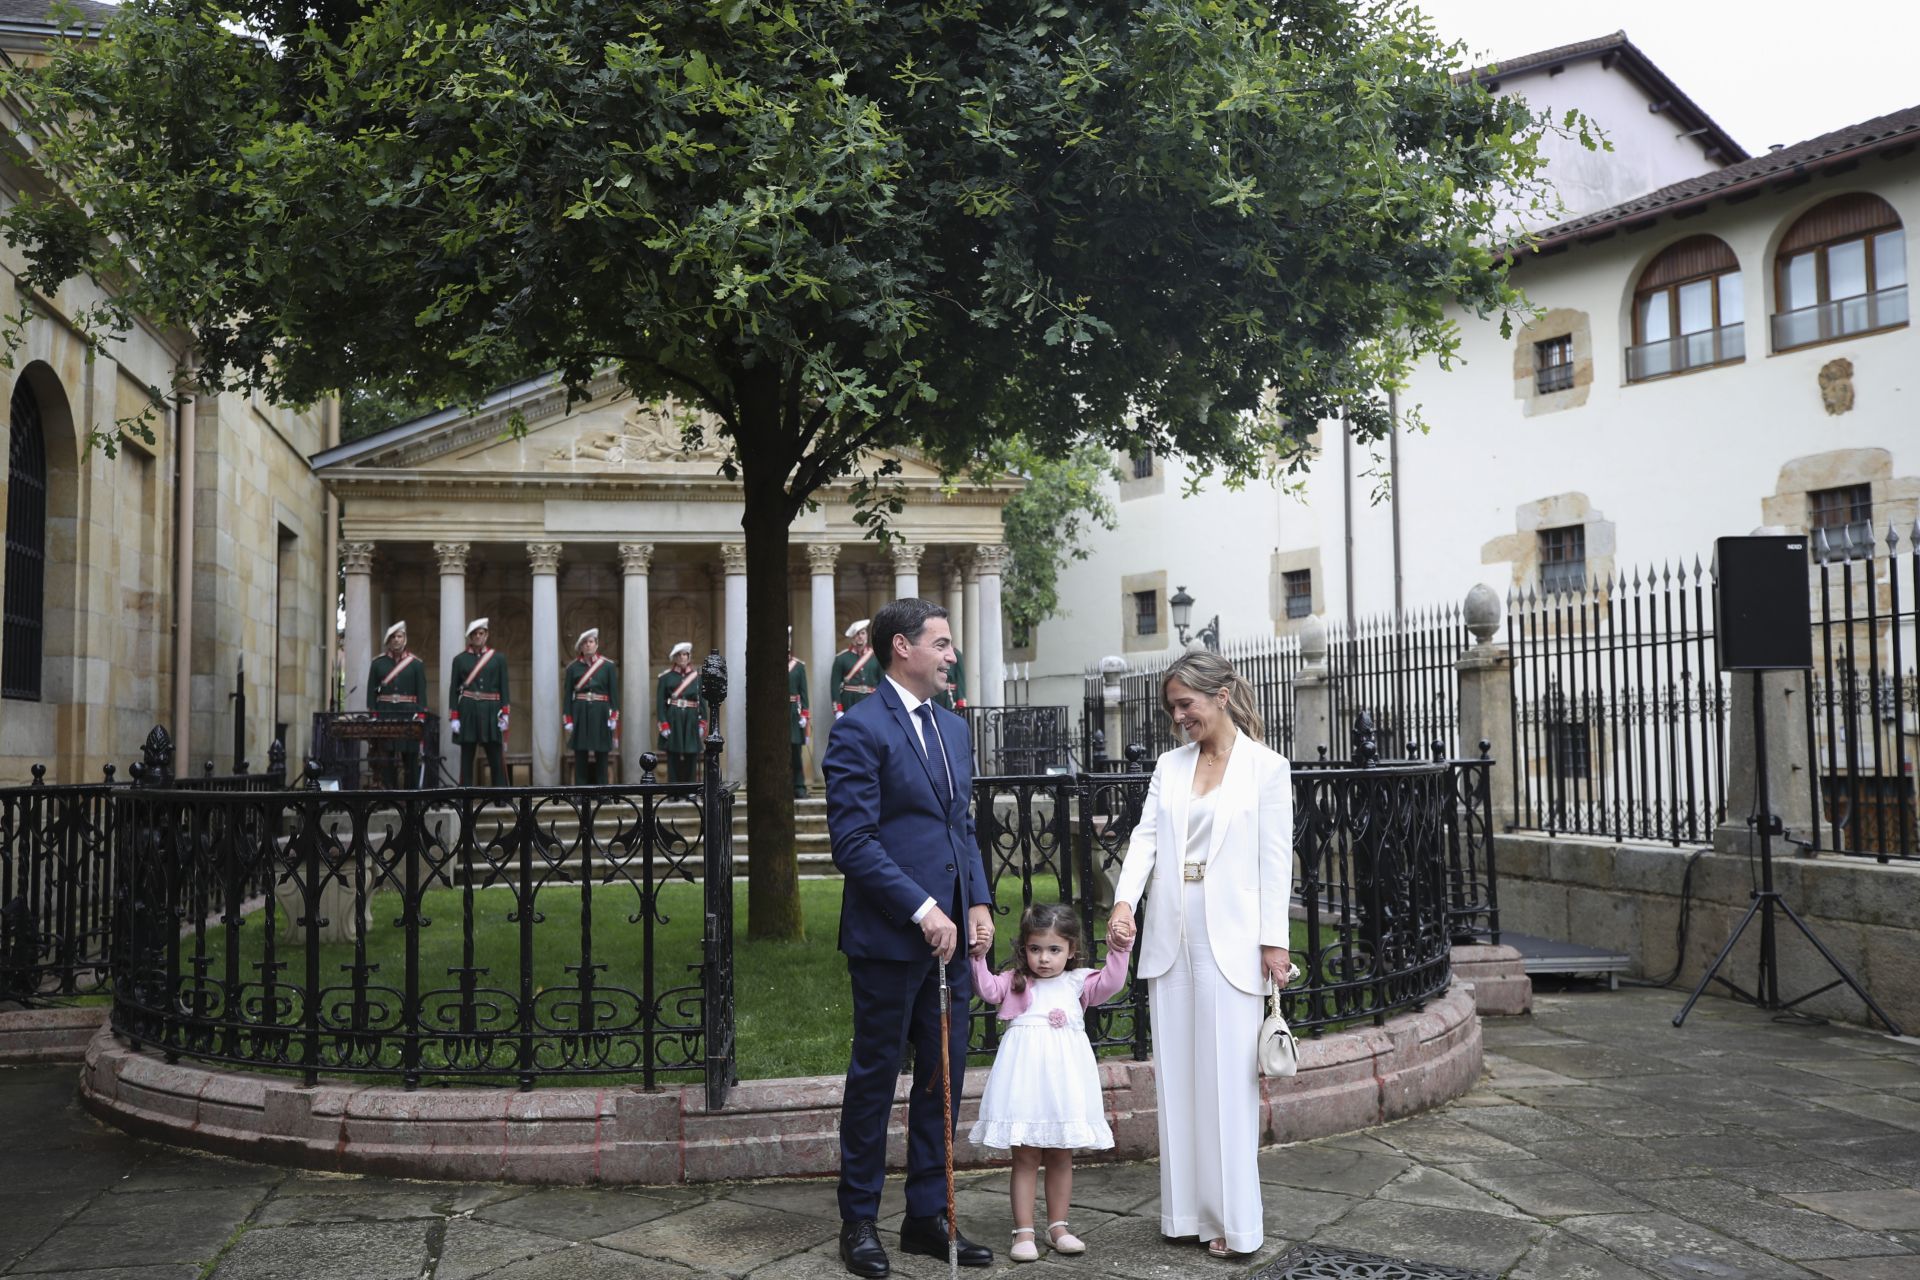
912,704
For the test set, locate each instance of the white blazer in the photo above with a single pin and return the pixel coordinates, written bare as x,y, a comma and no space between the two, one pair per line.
1249,882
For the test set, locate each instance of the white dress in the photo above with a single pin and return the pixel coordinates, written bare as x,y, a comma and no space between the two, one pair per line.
1044,1090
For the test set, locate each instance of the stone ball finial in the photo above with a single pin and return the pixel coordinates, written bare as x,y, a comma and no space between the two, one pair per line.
1483,612
1313,640
1111,669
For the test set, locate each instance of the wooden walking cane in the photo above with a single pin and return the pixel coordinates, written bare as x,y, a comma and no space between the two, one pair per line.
946,1115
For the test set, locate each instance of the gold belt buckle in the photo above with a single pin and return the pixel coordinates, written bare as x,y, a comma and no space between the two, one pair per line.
1193,871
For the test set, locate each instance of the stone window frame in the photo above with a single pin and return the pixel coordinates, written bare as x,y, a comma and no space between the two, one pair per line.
1521,549
1131,484
1130,586
1280,564
1895,498
1553,325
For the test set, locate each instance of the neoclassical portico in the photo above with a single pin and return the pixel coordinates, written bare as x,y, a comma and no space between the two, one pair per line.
599,518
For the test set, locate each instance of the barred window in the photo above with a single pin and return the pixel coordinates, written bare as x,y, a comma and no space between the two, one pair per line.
1845,513
1572,749
1143,466
1563,559
1553,364
1299,592
1146,613
22,641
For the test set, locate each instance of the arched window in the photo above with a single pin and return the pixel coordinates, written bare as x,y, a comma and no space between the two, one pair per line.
25,608
1686,310
1842,270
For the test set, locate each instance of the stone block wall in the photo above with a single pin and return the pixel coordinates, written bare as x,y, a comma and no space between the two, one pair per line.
1627,897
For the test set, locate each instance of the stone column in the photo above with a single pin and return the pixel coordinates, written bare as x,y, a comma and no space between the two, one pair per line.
544,559
1486,699
636,664
906,571
1782,696
1313,697
991,558
356,560
733,559
821,558
970,627
953,589
453,624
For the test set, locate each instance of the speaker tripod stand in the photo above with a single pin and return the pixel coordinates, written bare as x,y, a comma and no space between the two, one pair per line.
1767,900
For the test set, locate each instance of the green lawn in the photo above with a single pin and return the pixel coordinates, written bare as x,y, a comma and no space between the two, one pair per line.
793,1007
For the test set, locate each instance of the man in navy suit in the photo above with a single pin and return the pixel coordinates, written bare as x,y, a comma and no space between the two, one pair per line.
899,781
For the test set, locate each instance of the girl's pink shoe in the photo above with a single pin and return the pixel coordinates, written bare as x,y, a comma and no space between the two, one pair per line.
1063,1240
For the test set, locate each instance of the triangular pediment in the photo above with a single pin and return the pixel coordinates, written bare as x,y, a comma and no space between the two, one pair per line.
609,434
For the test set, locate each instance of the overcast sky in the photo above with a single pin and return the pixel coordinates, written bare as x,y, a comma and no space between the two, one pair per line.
1765,72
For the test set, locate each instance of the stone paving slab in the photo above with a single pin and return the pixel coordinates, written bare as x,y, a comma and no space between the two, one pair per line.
1601,1144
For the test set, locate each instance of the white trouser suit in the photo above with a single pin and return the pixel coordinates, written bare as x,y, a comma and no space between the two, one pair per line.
1200,953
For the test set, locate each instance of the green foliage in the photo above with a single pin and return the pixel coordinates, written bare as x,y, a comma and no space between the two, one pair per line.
1047,522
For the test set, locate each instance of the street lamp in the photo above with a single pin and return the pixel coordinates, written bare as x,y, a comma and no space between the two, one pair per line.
1182,605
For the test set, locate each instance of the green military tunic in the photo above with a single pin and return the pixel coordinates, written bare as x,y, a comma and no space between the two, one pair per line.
677,711
591,705
397,687
855,675
478,705
954,696
797,700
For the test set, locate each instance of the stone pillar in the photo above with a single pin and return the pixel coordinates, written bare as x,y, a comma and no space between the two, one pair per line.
356,561
906,571
821,559
544,559
954,588
453,625
1113,712
733,559
991,558
636,664
970,627
1486,699
1313,697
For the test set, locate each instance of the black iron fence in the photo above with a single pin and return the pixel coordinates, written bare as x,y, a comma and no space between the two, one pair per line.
1018,740
1863,718
1620,711
1401,672
57,869
1392,866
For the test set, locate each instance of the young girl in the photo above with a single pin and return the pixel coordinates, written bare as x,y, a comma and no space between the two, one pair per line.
1043,1095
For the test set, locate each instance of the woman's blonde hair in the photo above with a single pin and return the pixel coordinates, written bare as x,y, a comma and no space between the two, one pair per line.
1208,673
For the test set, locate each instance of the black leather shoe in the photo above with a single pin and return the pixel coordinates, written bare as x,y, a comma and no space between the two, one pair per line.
928,1237
861,1250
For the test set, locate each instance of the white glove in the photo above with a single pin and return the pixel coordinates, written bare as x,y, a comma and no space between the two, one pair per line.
455,722
569,723
503,722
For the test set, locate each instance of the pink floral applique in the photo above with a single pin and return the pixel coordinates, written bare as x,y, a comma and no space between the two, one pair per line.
1056,1018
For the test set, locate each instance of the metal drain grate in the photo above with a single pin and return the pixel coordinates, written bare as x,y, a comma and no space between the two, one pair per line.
1318,1262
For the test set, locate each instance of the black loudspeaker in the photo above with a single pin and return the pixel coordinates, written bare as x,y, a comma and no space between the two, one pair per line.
1760,611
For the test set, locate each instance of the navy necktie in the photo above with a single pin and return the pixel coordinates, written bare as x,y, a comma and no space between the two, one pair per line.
936,753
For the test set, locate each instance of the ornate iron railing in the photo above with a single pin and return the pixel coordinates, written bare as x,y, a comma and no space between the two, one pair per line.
1393,864
1018,740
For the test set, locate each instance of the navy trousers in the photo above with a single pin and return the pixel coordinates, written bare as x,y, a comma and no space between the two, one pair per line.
894,1001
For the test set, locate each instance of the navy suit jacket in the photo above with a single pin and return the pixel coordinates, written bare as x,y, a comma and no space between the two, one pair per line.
893,841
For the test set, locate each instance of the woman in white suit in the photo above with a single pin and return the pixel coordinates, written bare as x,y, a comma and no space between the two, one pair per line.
1215,844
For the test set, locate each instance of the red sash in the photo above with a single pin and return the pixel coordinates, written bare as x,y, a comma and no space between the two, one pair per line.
855,669
691,677
597,663
406,660
486,656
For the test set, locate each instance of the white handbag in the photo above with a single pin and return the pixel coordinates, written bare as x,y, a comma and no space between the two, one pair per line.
1279,1051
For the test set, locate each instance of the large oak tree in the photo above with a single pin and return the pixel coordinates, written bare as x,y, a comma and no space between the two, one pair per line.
1197,226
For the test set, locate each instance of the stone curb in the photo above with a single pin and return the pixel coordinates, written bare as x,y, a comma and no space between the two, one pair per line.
48,1036
1498,975
770,1128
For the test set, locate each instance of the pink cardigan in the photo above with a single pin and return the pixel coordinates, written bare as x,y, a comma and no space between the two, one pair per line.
997,988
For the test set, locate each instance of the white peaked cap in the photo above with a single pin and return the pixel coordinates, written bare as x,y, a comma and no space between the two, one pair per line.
858,627
685,646
591,633
398,626
476,625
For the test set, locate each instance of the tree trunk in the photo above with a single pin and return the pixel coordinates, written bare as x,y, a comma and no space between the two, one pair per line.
773,877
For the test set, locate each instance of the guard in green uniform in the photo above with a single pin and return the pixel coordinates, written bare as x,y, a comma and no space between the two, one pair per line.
678,709
396,688
590,697
954,696
800,718
479,705
856,673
